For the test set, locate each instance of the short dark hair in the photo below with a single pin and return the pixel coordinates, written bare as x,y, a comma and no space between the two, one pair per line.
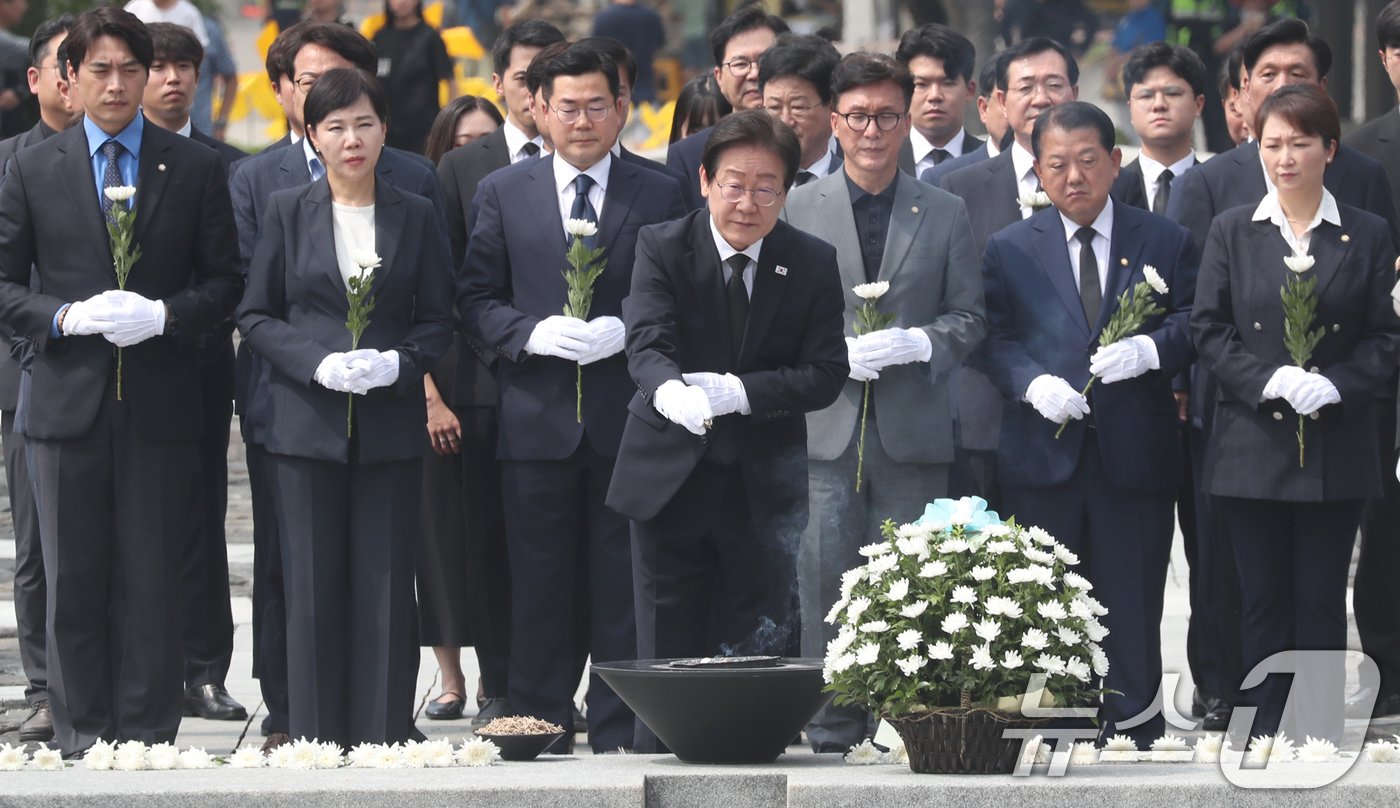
753,127
109,21
443,134
1182,61
699,105
1388,26
339,88
955,51
1288,31
1071,117
530,33
1230,71
342,39
987,79
389,18
175,43
1306,107
749,18
863,69
576,60
617,52
534,72
804,56
1027,48
47,31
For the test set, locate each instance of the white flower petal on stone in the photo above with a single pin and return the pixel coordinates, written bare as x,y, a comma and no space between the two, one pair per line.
940,651
12,758
909,639
864,754
1382,752
1299,263
580,228
1012,660
1084,753
1051,610
47,760
953,623
1154,279
898,754
414,756
964,594
911,664
914,609
195,758
478,752
1034,639
1270,748
102,756
329,755
247,757
867,654
1316,750
898,590
1208,748
281,757
119,193
1121,743
1169,743
438,754
933,569
130,756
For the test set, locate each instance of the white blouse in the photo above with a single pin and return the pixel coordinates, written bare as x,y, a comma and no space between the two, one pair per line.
354,236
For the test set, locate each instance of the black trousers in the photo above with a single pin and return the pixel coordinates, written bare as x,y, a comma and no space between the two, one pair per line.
114,519
1373,600
269,600
571,591
349,539
1293,559
30,591
208,618
463,566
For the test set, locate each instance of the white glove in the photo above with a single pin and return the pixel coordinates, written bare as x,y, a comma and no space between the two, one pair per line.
859,372
1055,400
1125,359
1283,382
91,316
724,391
892,346
133,318
378,369
1395,292
1314,393
1397,470
336,373
565,337
607,335
683,405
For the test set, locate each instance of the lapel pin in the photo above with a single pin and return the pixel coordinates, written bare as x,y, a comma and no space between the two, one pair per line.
160,167
914,209
781,271
1123,261
1345,238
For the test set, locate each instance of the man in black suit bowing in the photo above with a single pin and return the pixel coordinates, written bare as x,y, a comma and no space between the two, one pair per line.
1377,619
942,63
568,552
114,477
734,333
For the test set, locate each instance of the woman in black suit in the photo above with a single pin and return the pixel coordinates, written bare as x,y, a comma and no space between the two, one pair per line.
1292,524
348,491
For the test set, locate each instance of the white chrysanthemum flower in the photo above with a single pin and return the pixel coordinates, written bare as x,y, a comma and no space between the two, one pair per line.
982,572
998,605
997,530
864,754
1035,200
875,550
898,590
1097,608
413,756
964,594
1098,659
247,757
954,546
849,579
1270,748
478,752
914,609
438,754
909,639
100,757
12,758
1080,609
1067,635
1034,639
163,757
856,609
1169,743
1051,664
1000,547
881,564
1299,262
1040,536
841,663
1077,668
1038,555
987,629
875,627
835,612
47,760
867,654
1094,630
913,546
130,756
1074,580
366,261
1121,743
910,665
1084,753
1066,555
1317,750
280,757
1154,279
1012,660
933,569
119,193
362,755
982,658
329,755
1382,752
303,754
898,754
1051,610
581,228
953,623
1208,748
841,643
1035,573
195,758
940,651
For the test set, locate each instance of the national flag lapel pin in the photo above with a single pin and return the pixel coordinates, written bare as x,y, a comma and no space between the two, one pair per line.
781,271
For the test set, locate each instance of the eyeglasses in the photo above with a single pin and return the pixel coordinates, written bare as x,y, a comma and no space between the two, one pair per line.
763,197
570,116
1147,95
740,66
306,82
860,121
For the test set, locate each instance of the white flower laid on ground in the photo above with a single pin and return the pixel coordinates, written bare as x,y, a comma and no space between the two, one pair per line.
12,758
162,757
47,760
1383,751
1270,749
1036,752
866,753
1316,750
478,752
1119,749
130,756
1171,749
1084,753
1209,747
246,757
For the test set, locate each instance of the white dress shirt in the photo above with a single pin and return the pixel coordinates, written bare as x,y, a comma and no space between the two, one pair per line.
1024,164
923,149
1152,171
564,174
992,148
1270,210
1103,232
516,140
822,166
726,251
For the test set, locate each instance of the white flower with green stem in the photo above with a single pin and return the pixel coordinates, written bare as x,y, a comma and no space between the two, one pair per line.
585,265
869,319
121,232
361,304
1299,314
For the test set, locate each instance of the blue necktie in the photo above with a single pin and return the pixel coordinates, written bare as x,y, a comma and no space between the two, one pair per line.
111,175
582,208
317,170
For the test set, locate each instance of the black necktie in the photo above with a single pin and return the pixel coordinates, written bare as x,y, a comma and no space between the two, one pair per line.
531,148
111,173
804,177
738,296
582,208
1164,192
1089,292
939,155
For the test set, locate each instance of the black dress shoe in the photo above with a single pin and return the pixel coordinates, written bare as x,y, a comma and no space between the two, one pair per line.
439,710
491,709
38,727
214,703
830,748
1198,703
1217,717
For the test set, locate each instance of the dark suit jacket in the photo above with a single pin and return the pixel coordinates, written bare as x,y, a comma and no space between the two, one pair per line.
459,172
228,154
9,362
1252,448
793,361
50,218
1128,187
1380,140
991,193
906,154
934,176
511,279
645,162
294,314
684,157
1036,325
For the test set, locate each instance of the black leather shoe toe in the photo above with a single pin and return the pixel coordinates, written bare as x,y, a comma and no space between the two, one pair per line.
212,702
38,727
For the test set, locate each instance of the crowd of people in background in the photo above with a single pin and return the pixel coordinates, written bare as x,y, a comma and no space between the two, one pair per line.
446,448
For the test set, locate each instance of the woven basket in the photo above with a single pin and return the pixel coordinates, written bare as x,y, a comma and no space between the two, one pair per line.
961,740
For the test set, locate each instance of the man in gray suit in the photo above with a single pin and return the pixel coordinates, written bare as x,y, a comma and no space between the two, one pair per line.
886,226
